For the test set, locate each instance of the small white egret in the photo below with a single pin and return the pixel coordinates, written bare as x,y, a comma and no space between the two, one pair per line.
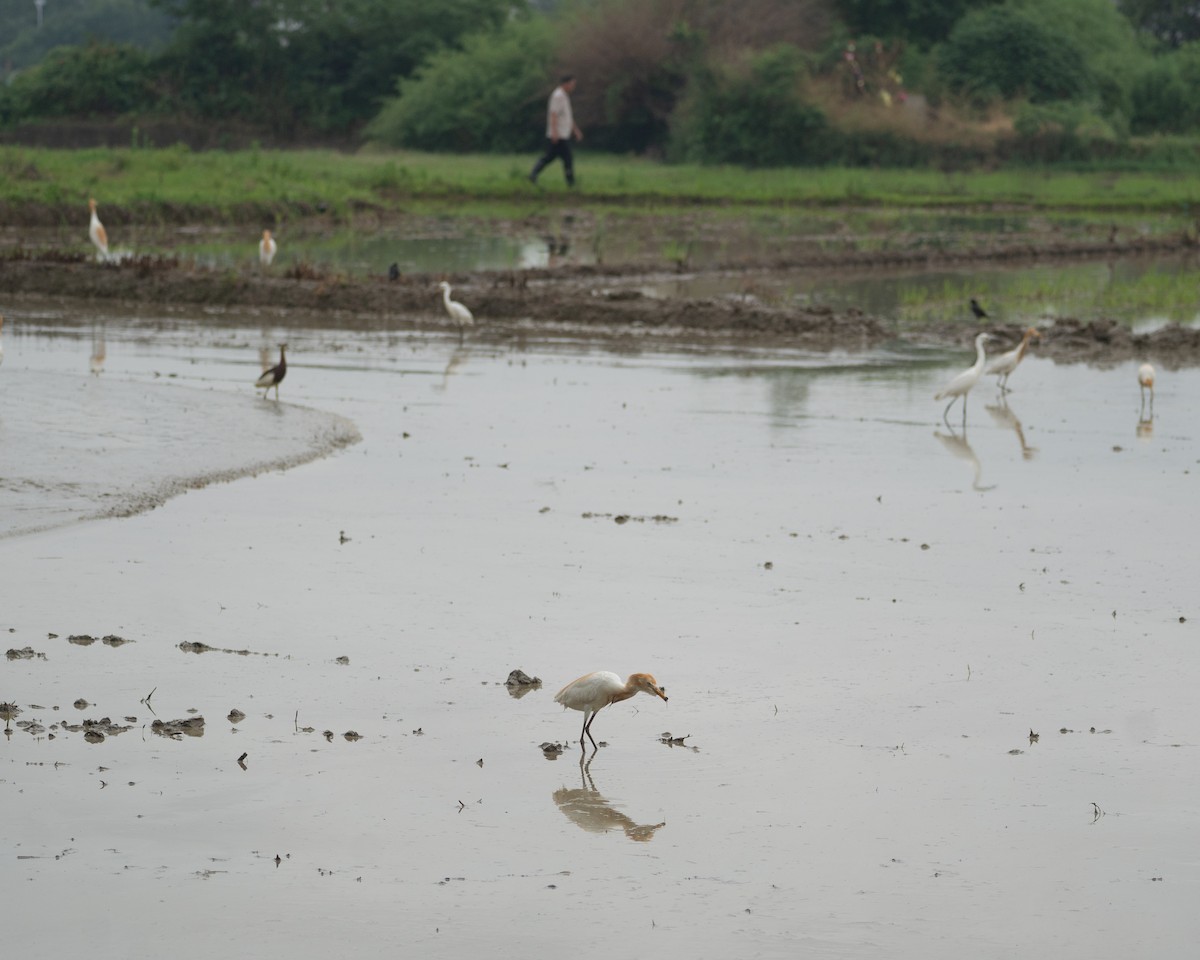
1146,382
458,313
274,376
961,385
266,248
1006,363
97,232
593,692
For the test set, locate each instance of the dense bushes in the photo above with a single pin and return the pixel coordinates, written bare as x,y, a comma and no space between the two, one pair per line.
491,95
1002,52
96,80
752,113
1165,94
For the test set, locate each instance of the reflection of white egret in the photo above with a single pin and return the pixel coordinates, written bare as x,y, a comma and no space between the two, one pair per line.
458,313
99,351
266,248
455,361
1004,417
274,376
595,691
587,809
1006,363
960,448
96,231
961,385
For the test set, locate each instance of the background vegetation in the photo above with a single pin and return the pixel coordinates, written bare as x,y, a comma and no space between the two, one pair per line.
949,83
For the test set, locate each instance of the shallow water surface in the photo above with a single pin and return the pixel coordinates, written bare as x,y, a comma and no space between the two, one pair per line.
859,613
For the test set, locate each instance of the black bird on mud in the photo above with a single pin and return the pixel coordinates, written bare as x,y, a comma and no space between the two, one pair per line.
980,313
394,272
274,376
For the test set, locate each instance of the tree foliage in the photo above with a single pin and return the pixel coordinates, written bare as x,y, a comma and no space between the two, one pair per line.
1171,22
308,63
1003,52
924,22
75,22
1164,95
752,112
97,80
490,95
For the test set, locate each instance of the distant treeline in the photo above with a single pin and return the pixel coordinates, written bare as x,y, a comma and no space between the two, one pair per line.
757,82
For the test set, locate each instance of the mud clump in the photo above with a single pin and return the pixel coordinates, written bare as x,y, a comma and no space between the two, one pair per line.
176,729
96,731
25,653
519,678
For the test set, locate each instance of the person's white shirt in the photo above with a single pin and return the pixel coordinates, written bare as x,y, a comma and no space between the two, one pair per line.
559,122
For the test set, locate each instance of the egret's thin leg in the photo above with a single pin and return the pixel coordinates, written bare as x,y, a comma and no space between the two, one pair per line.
587,728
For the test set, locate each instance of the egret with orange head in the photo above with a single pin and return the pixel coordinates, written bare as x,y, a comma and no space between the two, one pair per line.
266,248
96,231
595,691
1006,363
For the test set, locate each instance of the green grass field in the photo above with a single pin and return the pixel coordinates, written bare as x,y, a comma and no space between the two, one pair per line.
221,185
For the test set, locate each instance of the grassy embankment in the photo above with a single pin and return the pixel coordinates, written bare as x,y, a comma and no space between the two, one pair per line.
176,184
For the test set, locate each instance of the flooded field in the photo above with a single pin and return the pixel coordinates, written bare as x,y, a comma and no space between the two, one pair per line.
932,691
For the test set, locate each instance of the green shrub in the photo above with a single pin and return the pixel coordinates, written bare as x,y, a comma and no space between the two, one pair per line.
1164,95
490,95
98,80
1005,53
751,112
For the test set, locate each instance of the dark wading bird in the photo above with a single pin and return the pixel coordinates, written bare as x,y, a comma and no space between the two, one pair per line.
274,376
980,313
593,692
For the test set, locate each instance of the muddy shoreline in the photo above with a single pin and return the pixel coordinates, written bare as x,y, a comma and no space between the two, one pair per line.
598,302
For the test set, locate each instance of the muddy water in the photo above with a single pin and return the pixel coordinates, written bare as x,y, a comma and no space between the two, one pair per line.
859,617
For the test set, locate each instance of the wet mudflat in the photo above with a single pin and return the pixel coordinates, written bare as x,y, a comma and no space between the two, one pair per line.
859,614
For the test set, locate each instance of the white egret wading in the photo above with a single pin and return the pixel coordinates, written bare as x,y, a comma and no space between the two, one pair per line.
458,313
961,385
1006,363
96,231
593,692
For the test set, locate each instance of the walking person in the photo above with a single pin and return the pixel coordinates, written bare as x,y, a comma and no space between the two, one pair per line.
560,127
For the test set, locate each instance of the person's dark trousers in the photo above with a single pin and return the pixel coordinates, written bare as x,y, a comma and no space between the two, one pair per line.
560,149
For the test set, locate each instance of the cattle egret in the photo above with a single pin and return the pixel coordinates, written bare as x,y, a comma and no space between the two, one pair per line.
1146,382
274,376
458,313
1006,363
593,692
97,232
961,385
1146,379
980,313
266,248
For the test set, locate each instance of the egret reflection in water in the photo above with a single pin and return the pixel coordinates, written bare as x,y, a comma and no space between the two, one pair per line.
1003,416
589,810
99,350
457,358
958,446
